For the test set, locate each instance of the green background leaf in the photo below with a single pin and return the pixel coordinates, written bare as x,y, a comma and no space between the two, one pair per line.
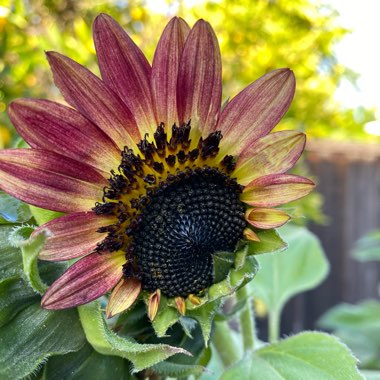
306,356
359,327
367,248
283,275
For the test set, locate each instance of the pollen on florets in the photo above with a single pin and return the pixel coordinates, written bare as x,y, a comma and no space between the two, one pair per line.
176,205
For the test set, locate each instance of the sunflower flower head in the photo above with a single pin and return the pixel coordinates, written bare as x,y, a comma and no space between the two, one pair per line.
160,186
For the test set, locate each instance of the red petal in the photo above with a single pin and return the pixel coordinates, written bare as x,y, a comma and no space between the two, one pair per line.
256,110
84,281
199,91
123,296
272,154
165,70
276,189
49,180
267,218
89,95
72,235
125,69
55,127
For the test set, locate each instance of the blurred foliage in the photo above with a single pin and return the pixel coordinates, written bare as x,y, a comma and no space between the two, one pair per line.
255,37
358,325
367,248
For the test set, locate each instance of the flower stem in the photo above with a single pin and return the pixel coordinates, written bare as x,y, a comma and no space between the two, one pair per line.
274,325
225,344
247,320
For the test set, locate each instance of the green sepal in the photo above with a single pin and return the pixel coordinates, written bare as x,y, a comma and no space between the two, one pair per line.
43,216
13,210
188,325
270,241
243,271
309,355
15,295
222,262
205,316
106,342
165,318
30,249
87,364
34,335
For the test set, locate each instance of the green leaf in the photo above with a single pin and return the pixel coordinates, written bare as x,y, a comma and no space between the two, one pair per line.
10,257
106,342
12,210
15,295
367,248
43,216
270,241
34,335
283,275
86,364
364,317
359,327
309,355
30,248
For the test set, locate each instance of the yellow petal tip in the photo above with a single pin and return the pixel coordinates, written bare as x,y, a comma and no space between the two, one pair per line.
153,304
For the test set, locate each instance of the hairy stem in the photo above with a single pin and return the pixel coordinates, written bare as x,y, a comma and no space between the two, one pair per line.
247,320
274,325
224,343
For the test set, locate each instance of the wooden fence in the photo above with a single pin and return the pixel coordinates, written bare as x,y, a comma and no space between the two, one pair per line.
349,179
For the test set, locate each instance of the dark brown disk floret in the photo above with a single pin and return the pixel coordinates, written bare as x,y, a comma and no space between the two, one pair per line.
172,210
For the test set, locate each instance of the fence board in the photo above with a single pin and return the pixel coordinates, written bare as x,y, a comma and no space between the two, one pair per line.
349,179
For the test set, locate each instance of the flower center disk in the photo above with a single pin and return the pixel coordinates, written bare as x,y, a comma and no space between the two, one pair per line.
181,227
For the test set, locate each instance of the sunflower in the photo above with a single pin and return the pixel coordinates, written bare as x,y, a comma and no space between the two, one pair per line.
155,178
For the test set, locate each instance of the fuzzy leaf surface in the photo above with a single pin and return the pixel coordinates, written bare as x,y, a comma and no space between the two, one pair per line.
309,355
87,364
10,257
34,335
15,295
106,342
